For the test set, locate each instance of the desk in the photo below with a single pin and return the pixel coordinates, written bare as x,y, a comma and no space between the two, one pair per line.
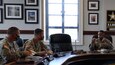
30,60
14,63
61,60
69,58
95,57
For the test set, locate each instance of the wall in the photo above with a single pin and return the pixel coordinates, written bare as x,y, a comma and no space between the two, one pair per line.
104,6
20,23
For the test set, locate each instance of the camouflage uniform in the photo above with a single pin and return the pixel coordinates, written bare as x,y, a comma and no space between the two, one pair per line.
9,51
37,47
101,44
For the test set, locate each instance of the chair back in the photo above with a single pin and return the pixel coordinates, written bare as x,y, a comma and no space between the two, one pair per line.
60,42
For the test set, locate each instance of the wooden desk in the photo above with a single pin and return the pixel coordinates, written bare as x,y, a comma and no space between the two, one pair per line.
22,63
31,60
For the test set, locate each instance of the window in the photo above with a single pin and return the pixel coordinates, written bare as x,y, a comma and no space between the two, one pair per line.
64,16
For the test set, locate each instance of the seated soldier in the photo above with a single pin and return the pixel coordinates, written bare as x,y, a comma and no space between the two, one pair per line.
36,45
9,48
101,41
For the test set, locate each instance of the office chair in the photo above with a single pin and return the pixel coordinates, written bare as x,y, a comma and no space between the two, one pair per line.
109,37
20,42
60,43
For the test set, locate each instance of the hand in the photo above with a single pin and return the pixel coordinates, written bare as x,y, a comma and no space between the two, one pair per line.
94,40
27,53
6,47
33,52
42,53
50,52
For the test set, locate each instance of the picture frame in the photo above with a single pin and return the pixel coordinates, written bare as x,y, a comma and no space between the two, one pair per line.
110,19
13,11
31,16
1,2
93,5
31,2
110,15
1,15
93,18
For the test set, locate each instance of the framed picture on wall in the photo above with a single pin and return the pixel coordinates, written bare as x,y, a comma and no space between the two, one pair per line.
93,5
93,18
31,2
31,16
1,2
1,15
13,11
111,15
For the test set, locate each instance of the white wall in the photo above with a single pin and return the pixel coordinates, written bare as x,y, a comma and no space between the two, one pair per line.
20,23
104,6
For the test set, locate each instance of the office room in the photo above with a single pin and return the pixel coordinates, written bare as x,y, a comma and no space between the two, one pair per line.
80,19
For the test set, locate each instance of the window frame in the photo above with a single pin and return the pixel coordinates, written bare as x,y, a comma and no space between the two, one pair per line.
80,33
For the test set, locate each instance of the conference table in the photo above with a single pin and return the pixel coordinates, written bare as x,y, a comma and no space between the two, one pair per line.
96,57
30,60
61,60
55,61
69,58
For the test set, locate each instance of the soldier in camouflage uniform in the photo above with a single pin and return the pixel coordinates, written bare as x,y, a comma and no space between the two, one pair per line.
9,48
101,41
36,45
